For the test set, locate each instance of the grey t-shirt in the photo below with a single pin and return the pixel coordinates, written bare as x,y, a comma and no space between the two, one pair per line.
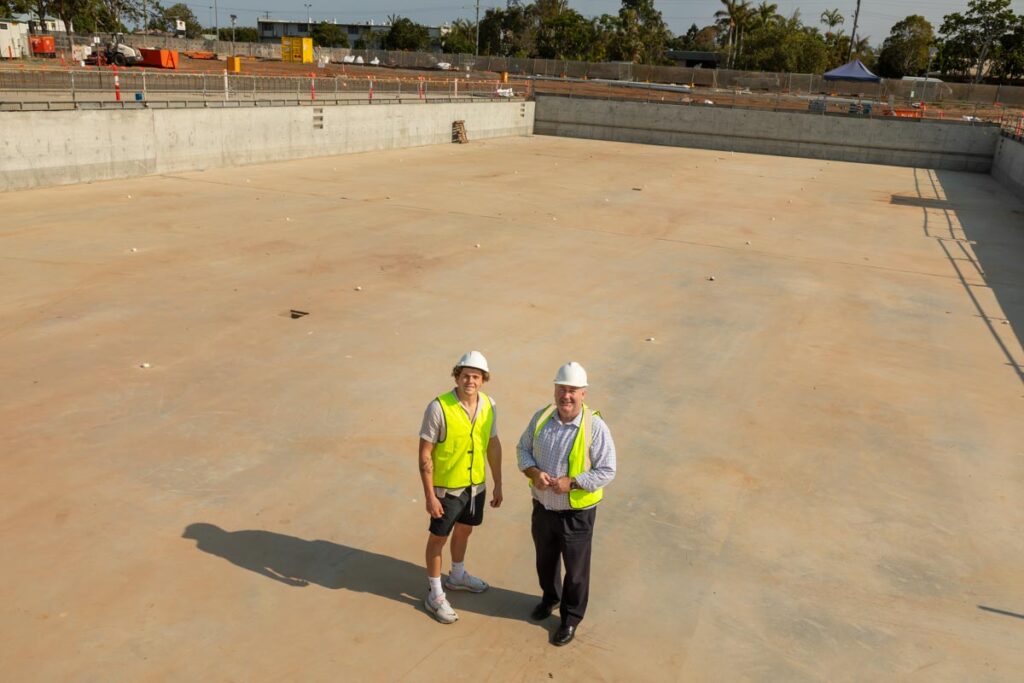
433,429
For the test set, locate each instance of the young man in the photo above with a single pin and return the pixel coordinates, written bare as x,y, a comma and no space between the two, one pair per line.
569,456
458,435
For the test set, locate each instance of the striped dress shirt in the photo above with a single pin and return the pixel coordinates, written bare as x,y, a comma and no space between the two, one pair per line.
550,452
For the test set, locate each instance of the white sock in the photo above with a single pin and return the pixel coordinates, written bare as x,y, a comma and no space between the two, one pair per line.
436,592
458,571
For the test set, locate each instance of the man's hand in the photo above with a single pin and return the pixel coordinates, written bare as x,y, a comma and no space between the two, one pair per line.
496,497
434,508
541,479
560,485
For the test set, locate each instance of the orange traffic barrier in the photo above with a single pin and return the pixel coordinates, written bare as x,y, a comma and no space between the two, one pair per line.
906,113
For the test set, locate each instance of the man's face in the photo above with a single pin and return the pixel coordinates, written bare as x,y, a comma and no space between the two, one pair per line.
469,381
569,401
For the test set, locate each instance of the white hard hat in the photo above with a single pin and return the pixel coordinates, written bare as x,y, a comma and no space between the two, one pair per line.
473,359
571,375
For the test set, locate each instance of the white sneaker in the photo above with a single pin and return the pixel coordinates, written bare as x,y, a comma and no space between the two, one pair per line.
468,582
441,610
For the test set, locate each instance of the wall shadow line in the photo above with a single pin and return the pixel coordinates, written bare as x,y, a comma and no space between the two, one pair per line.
991,241
1001,611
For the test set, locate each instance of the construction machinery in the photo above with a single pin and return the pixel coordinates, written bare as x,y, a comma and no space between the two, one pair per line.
118,52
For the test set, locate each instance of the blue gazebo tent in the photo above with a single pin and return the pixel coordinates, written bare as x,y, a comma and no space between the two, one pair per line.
854,71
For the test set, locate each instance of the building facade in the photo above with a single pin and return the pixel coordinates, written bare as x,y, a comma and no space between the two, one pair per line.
372,34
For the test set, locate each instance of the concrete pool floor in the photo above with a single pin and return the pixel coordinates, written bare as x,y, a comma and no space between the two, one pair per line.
820,452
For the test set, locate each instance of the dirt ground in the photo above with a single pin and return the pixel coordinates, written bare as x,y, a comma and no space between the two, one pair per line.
820,450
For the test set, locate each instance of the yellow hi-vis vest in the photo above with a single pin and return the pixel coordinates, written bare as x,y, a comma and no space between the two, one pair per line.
579,455
459,459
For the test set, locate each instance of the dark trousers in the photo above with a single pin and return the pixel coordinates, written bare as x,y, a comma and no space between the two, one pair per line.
564,537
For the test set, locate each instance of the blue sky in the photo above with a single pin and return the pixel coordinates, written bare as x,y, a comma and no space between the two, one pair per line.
876,16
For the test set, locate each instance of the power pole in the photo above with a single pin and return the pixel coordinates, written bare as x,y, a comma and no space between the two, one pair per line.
216,20
477,28
853,36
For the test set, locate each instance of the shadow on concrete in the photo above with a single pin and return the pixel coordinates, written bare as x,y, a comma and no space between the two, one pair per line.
982,236
1001,611
299,563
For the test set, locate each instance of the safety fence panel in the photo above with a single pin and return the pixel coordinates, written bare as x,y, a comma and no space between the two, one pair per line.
807,84
110,85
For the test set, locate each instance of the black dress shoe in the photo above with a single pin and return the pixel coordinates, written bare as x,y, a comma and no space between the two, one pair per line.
542,611
564,635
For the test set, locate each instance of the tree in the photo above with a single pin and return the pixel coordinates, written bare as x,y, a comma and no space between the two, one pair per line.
566,36
406,34
509,32
1011,53
699,39
766,14
638,34
68,11
461,38
327,34
243,34
367,40
733,17
969,38
832,18
8,8
168,17
905,51
121,11
786,45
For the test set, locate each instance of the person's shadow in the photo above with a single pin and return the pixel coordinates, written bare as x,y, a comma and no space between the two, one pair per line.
298,562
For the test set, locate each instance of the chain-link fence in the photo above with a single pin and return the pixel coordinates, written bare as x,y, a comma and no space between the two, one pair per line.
19,88
1013,126
718,79
891,91
763,82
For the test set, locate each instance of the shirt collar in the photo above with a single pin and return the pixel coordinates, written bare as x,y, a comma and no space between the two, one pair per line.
455,393
575,422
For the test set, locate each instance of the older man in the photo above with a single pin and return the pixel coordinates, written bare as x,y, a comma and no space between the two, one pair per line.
458,435
569,456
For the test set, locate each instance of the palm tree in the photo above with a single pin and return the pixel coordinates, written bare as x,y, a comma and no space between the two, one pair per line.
733,17
861,47
767,14
832,18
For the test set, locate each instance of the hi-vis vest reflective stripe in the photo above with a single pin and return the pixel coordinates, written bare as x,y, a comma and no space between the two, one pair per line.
459,459
579,455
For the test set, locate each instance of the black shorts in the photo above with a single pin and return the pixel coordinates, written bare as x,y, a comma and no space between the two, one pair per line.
456,509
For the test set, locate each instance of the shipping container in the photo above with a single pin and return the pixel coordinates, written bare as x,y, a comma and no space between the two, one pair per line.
298,50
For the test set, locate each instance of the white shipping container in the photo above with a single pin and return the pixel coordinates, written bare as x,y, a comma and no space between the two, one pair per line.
13,40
